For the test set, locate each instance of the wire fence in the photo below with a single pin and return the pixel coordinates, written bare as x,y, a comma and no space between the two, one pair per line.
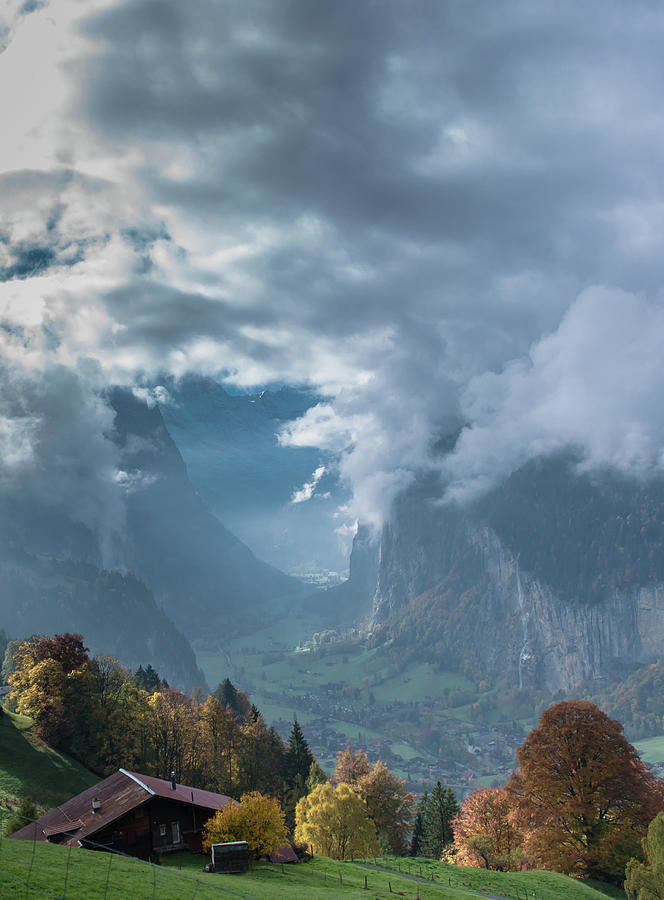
33,868
89,875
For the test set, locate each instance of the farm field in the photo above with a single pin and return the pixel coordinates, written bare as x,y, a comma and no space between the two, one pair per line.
345,692
56,872
651,749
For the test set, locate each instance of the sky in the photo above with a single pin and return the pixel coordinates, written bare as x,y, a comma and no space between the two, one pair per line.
439,214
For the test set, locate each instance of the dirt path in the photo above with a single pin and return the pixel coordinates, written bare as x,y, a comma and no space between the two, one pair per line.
469,891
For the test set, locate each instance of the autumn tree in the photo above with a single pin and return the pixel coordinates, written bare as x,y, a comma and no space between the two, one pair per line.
221,730
54,686
645,881
257,819
335,823
350,766
484,834
260,759
583,797
65,649
177,738
390,806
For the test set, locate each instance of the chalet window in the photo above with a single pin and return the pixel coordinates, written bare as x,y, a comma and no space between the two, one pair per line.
162,831
175,830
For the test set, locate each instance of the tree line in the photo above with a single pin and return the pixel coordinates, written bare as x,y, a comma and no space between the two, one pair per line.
580,801
107,717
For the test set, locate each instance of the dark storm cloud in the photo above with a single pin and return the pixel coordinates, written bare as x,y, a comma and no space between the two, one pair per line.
412,207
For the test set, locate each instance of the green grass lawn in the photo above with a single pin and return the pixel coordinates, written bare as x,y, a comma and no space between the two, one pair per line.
419,681
545,885
651,749
85,875
29,767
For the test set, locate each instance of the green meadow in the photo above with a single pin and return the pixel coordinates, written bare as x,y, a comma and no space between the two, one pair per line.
45,870
30,767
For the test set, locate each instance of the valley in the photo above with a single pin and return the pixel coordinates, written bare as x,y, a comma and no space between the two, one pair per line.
426,724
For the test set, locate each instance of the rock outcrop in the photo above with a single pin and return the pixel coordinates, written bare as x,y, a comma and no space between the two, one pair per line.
449,584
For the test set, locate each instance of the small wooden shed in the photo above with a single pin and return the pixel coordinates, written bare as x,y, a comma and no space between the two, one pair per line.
231,857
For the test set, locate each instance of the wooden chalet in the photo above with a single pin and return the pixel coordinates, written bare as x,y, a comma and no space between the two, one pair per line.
132,813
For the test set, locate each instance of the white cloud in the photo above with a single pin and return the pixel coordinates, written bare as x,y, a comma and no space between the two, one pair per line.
594,385
306,492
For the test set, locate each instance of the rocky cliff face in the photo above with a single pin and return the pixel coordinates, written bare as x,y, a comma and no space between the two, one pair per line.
449,584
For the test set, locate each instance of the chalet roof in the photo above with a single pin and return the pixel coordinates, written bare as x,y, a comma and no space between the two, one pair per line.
64,829
193,796
118,794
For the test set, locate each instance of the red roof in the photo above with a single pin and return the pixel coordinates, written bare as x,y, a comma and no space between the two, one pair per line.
63,829
284,855
193,796
117,795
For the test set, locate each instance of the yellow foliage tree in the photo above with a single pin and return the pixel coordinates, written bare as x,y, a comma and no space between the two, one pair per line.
335,822
258,820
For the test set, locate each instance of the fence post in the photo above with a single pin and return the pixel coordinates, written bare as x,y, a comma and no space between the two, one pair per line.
64,891
108,876
32,861
365,883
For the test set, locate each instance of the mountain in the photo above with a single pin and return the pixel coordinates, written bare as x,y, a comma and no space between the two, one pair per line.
203,576
168,566
247,478
115,613
553,580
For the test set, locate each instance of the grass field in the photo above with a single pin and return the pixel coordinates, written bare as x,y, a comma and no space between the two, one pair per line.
29,767
54,871
544,885
265,662
651,749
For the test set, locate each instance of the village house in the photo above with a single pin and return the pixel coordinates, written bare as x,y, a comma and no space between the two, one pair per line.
131,813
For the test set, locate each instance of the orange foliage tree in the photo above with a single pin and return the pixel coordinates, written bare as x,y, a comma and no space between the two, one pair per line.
350,767
390,806
484,832
583,797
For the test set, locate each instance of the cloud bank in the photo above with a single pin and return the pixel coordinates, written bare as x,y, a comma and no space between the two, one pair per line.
432,213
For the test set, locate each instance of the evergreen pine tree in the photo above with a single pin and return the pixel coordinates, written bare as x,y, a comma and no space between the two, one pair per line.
415,848
315,777
440,809
298,756
148,679
299,760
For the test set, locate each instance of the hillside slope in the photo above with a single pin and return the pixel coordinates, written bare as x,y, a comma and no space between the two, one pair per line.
115,613
29,767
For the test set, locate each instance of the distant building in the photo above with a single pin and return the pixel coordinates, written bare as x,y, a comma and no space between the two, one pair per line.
132,813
